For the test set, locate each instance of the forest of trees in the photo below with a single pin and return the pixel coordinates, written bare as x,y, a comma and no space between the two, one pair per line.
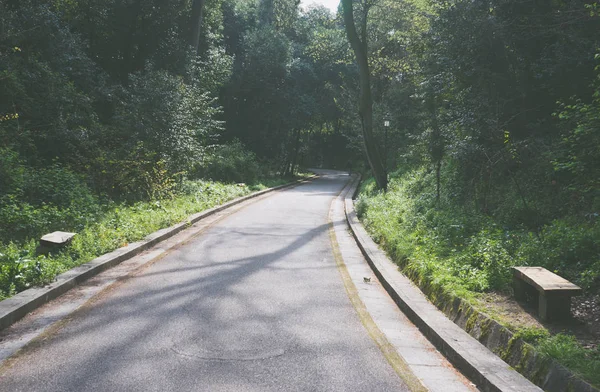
122,100
491,157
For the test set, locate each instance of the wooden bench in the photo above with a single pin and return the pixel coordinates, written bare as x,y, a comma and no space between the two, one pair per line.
551,292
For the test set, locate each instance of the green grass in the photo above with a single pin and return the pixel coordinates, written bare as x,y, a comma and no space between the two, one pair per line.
276,181
118,225
568,352
451,251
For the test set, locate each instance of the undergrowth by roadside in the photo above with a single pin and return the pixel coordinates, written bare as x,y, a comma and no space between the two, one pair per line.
109,227
452,251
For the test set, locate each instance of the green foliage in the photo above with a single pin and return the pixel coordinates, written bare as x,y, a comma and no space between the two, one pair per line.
89,86
12,172
257,86
567,351
213,71
37,201
117,226
569,247
104,112
230,163
450,245
485,263
281,99
139,175
20,269
579,150
449,250
531,335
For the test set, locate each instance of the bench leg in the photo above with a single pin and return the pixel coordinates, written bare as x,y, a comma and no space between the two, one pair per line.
554,307
520,289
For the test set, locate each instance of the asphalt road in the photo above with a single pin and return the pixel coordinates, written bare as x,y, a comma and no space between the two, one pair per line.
255,303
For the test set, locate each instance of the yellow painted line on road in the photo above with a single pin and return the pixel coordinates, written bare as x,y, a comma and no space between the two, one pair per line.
387,349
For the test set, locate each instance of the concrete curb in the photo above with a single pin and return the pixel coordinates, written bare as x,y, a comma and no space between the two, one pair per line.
14,308
476,362
546,373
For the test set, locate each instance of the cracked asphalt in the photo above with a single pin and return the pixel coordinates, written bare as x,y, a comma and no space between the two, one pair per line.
255,303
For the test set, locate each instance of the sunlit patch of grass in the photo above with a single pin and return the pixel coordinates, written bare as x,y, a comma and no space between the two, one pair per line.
117,226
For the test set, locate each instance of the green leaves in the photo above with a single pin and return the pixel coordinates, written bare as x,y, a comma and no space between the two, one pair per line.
579,148
21,269
115,227
450,243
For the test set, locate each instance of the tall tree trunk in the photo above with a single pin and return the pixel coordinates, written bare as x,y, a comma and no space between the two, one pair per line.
359,46
295,152
438,171
196,24
134,10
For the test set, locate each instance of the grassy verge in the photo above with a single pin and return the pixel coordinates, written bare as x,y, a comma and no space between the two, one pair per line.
114,227
452,252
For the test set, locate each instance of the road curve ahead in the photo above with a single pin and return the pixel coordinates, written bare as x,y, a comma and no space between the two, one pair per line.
255,303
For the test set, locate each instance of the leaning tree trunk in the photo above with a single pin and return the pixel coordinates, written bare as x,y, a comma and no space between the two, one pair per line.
196,24
359,46
295,152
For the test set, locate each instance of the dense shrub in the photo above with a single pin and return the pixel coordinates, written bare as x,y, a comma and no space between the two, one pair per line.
230,162
117,226
569,247
450,245
20,269
36,201
450,249
12,172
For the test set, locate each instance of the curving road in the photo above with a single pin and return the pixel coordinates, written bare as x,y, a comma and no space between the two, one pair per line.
255,303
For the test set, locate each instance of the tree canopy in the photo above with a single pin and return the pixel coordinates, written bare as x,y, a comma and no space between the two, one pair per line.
497,98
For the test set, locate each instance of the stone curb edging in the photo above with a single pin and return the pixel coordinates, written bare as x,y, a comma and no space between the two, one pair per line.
544,372
476,362
14,308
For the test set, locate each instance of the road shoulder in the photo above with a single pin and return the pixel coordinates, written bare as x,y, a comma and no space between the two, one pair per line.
411,355
474,360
